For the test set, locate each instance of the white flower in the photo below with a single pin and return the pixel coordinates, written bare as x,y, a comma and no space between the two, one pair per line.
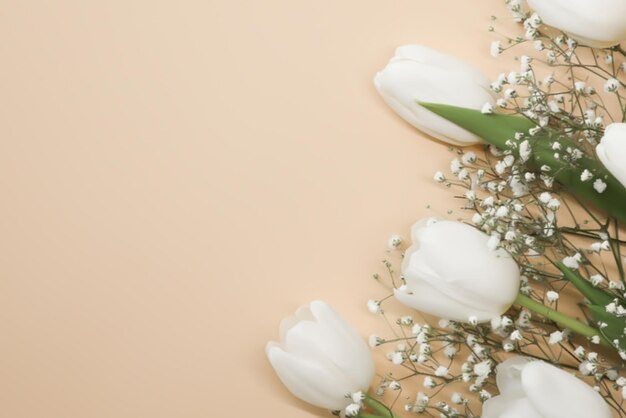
552,296
599,186
598,24
352,410
496,48
510,93
554,204
612,150
417,73
395,385
493,242
373,306
585,175
439,177
513,78
524,150
596,279
429,383
572,261
375,341
394,242
611,85
545,197
487,109
579,86
525,61
502,211
483,368
469,157
539,390
555,337
321,357
441,371
450,272
456,166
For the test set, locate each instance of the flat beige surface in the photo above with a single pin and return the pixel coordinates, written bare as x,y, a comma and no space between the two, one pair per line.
178,176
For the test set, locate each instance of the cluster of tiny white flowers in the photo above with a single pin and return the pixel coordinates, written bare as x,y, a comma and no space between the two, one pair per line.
517,201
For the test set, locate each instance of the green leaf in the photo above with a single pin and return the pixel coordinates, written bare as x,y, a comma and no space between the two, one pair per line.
595,295
615,326
495,129
378,407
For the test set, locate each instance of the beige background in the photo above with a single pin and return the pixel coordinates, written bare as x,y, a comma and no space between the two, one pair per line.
178,176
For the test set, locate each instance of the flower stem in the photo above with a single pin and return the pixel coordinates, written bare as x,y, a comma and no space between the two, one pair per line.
381,409
561,319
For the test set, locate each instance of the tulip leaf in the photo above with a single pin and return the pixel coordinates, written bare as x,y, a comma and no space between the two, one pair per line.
497,129
379,407
614,329
494,128
595,295
612,200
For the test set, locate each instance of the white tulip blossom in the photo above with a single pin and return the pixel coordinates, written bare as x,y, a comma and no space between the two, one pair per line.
598,23
417,73
451,272
321,359
536,389
612,151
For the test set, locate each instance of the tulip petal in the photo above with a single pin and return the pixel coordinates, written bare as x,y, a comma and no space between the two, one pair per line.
302,314
302,378
558,394
509,376
432,57
417,73
506,407
597,23
611,150
454,259
343,345
421,296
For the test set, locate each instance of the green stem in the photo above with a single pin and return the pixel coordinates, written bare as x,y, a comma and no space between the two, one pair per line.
561,319
381,409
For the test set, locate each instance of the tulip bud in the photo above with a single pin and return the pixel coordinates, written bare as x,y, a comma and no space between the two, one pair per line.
417,73
321,358
538,389
598,23
612,150
451,272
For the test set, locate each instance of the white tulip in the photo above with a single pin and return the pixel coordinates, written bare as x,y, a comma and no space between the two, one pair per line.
321,358
536,389
451,272
597,23
612,150
420,73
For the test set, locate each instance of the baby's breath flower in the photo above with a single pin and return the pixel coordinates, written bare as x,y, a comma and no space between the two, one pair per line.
599,186
585,175
373,306
394,242
552,296
496,48
555,338
611,85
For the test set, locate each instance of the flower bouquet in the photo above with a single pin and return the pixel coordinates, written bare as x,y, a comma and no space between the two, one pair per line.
517,309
